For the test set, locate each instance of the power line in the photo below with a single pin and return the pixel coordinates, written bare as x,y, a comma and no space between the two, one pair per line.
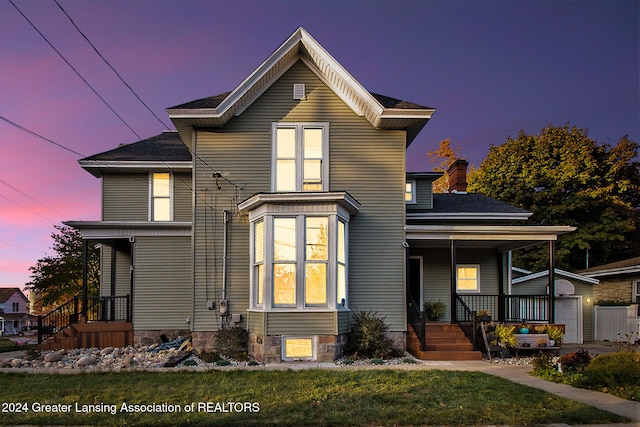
110,66
75,70
216,173
26,208
22,128
29,197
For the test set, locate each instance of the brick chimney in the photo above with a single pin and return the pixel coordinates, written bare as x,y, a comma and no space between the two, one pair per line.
457,173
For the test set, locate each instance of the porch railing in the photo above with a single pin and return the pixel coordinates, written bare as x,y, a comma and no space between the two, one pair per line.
109,309
99,309
467,320
514,308
58,319
417,320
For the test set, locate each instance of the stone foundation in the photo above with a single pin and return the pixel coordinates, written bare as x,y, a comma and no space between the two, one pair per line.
268,348
147,337
203,340
399,340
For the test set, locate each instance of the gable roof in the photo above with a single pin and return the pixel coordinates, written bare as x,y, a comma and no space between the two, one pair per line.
162,151
381,111
626,266
6,293
468,206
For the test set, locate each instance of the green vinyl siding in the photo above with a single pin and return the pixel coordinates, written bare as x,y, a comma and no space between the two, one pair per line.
367,163
125,197
255,322
301,323
424,194
163,292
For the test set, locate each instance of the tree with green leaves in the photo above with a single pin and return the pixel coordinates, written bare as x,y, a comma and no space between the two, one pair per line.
565,178
442,158
58,278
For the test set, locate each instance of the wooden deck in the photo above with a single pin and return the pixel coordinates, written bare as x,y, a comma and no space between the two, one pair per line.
87,335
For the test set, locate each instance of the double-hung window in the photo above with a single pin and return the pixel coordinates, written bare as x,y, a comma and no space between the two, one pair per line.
300,157
160,190
468,279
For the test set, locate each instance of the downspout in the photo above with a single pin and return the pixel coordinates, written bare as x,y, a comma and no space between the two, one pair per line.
225,215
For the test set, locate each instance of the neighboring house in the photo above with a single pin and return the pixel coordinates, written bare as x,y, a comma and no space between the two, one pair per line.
284,206
574,299
617,298
14,311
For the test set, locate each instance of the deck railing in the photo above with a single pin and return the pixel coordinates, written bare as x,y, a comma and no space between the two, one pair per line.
99,309
516,308
467,320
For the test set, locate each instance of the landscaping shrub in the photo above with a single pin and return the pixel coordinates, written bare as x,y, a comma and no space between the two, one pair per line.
233,343
368,337
576,361
618,373
542,362
209,356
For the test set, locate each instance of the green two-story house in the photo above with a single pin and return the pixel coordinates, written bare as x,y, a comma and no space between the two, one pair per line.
284,206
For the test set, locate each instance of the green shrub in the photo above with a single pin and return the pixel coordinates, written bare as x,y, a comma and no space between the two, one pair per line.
223,363
233,342
576,361
252,363
409,361
618,373
377,361
209,356
542,362
434,309
505,335
368,337
189,362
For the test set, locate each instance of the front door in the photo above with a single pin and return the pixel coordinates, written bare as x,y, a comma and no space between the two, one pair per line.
415,280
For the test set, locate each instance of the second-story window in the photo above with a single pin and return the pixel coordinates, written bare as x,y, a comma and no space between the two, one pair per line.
300,154
15,307
160,200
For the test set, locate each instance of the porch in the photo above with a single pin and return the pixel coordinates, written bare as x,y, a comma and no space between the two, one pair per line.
98,322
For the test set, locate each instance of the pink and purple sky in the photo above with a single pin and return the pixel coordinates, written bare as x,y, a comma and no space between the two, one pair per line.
490,68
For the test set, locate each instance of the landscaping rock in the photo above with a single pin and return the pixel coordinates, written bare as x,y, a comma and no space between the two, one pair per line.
53,357
86,361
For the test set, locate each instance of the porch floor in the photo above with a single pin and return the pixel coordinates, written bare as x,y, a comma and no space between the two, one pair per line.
445,341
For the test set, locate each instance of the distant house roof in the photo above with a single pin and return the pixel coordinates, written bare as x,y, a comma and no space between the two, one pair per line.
468,206
626,266
6,293
165,150
381,111
558,273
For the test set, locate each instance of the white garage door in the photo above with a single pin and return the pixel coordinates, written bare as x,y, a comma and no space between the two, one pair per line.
569,313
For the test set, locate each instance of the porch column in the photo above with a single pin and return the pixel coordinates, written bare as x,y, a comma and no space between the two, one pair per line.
552,281
112,291
454,281
501,299
85,280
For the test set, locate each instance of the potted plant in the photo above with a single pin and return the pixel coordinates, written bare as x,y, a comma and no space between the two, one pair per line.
505,335
541,342
524,328
483,316
434,309
555,334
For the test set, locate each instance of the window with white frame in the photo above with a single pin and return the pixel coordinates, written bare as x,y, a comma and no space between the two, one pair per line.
300,157
300,262
410,192
468,278
15,307
636,292
160,192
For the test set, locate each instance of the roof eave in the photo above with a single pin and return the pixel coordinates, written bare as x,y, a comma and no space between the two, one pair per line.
97,168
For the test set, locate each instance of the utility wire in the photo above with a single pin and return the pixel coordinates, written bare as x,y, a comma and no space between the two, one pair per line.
29,197
217,174
75,70
24,207
22,128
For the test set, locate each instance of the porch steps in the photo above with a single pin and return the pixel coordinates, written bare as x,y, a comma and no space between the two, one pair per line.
86,335
444,342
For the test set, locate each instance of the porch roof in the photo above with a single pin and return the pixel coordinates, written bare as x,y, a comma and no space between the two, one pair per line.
501,237
104,230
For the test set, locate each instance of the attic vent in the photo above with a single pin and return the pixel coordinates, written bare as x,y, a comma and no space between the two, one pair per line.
298,92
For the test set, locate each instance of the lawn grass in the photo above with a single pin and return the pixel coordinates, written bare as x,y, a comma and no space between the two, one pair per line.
10,345
297,398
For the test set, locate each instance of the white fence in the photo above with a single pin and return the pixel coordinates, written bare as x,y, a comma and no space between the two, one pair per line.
612,323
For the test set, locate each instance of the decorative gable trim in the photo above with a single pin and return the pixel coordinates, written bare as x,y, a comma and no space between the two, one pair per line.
301,46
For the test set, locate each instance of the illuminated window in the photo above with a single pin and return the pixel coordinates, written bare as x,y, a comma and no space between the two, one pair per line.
160,203
300,156
298,349
410,192
304,265
468,279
